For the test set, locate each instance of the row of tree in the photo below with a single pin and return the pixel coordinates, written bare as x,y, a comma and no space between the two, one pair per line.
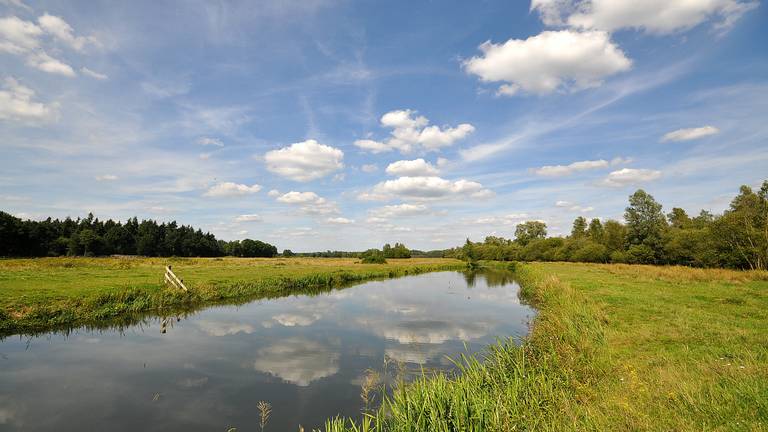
93,237
736,239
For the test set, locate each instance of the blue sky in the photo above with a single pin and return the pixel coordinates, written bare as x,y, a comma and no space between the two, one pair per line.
324,124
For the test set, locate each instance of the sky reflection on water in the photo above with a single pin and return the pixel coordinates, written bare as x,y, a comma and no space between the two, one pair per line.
305,355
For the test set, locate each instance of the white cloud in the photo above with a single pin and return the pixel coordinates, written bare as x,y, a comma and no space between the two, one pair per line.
25,38
574,207
46,63
421,188
18,36
369,168
229,189
398,210
93,74
630,176
550,61
651,16
274,193
372,146
566,170
689,134
208,141
106,177
411,132
508,219
16,103
340,221
249,218
304,161
297,360
63,32
412,168
309,202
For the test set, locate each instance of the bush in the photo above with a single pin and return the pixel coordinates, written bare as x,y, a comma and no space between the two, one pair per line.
641,254
591,252
373,256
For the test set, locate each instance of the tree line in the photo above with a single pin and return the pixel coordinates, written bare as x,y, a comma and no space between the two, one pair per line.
92,237
738,238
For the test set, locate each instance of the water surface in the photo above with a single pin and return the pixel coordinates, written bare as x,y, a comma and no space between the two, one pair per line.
306,355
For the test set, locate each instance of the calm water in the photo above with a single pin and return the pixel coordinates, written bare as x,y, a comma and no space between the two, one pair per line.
305,355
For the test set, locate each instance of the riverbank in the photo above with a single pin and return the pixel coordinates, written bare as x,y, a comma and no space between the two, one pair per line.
42,294
613,347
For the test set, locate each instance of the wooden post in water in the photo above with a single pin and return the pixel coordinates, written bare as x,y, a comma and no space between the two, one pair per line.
173,280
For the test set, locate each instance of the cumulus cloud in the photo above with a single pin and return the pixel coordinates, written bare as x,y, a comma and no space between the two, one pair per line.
550,61
398,210
630,176
249,218
309,202
411,132
651,16
304,161
427,188
26,39
230,189
17,104
689,134
412,168
566,170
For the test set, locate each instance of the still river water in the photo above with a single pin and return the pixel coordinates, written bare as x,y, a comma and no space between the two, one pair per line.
305,355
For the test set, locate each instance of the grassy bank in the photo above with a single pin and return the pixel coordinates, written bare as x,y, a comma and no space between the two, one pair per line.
46,293
614,347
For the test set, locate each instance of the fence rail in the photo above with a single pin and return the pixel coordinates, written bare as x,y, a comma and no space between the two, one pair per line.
173,280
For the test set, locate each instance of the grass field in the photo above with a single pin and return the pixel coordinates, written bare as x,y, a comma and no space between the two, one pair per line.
614,347
44,293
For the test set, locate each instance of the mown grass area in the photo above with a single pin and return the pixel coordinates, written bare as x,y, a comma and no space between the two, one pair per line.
39,294
614,347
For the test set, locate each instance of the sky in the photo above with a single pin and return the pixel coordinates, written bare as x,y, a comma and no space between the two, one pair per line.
342,125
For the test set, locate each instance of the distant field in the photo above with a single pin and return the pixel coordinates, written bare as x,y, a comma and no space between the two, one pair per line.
38,292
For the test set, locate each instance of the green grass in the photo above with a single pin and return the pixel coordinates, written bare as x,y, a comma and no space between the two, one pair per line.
614,347
48,293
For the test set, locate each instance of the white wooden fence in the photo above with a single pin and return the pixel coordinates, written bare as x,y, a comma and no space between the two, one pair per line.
173,280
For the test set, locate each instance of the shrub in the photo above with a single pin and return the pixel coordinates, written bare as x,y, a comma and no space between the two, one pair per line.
373,256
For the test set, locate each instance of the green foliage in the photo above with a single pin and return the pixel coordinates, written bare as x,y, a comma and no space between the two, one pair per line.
373,256
397,251
287,253
736,239
579,227
530,231
92,237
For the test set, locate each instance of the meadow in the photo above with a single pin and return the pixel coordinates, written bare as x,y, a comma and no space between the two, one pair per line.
614,347
40,294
